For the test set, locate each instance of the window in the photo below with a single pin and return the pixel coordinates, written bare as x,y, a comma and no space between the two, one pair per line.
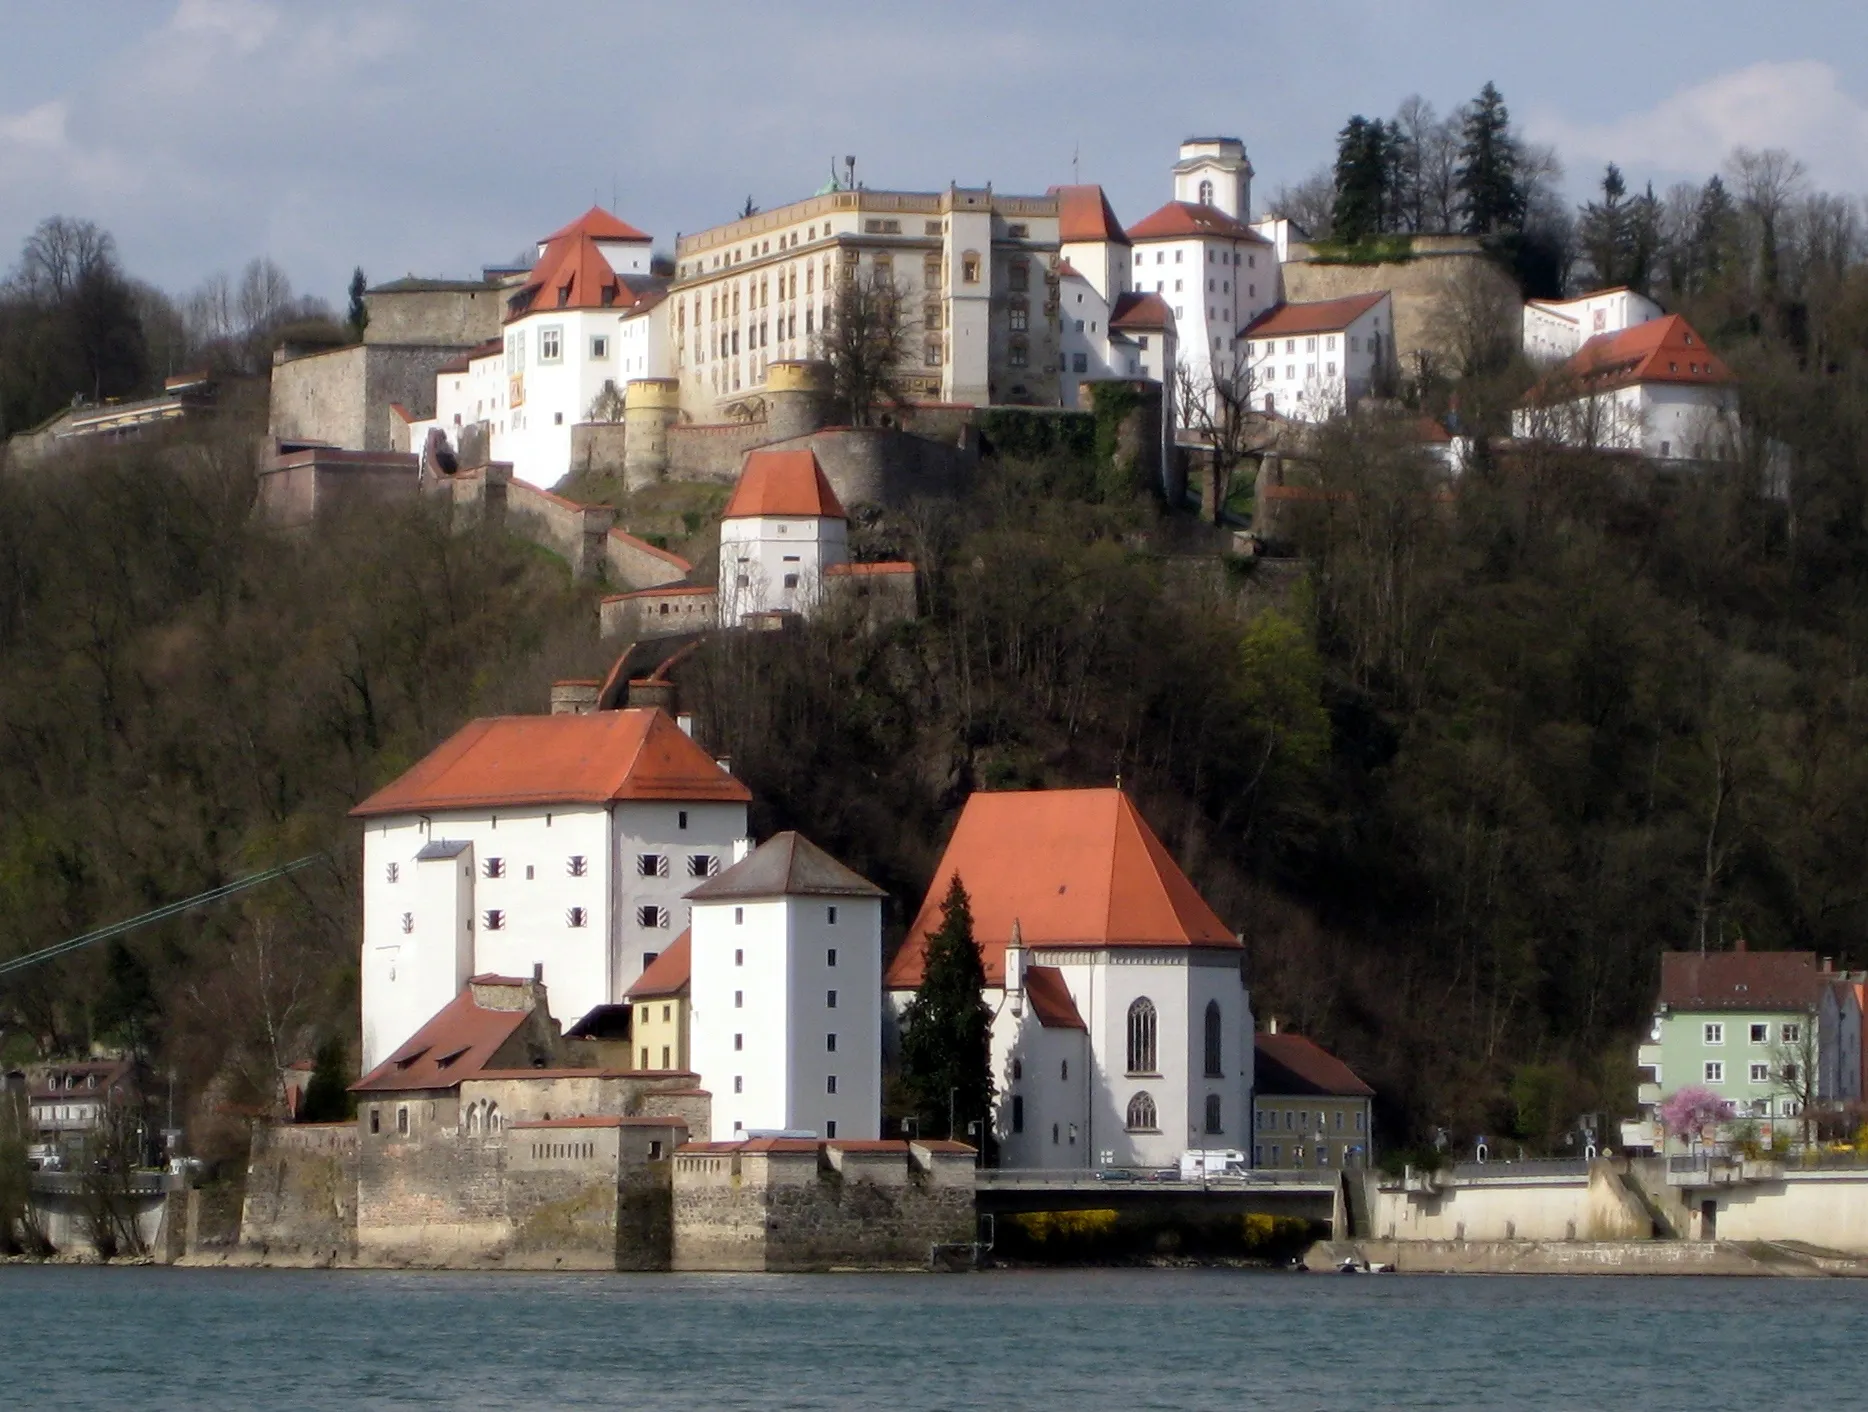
1361,1120
739,916
1793,1034
557,419
702,865
1715,1034
1018,1069
494,919
494,867
739,1041
649,958
651,865
1213,1044
1760,1073
1079,363
1142,1037
739,1000
931,353
1715,1071
1063,1070
550,345
666,1058
1018,1112
1018,276
1018,232
830,1128
830,1044
739,957
391,872
1790,1073
1018,355
1019,316
376,1119
739,1085
402,1121
408,922
681,819
1206,193
830,1000
528,866
667,1012
575,917
791,580
969,267
651,916
1760,1034
599,346
1213,1123
830,1084
1141,1114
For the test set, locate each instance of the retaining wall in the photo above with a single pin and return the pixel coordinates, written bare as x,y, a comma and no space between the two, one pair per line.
1418,287
1592,1205
301,1194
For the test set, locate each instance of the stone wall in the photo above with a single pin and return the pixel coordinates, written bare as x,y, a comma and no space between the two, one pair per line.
882,466
1418,286
636,563
299,488
653,612
442,315
343,397
712,453
577,532
300,1205
1592,1205
599,448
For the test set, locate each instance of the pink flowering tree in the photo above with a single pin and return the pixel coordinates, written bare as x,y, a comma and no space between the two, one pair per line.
1693,1112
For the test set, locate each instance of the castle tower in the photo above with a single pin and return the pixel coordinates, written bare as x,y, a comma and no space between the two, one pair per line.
1214,171
650,407
783,527
797,397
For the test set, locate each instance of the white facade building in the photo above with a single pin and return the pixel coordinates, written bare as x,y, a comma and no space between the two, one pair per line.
561,846
780,532
1557,329
785,985
1315,361
1122,1029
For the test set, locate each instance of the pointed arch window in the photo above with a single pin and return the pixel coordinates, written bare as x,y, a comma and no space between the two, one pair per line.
1142,1027
1141,1115
1215,1053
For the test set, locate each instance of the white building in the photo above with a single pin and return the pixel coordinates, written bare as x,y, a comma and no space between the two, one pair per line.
1556,329
559,846
785,985
1655,389
1122,1026
581,324
1315,361
780,532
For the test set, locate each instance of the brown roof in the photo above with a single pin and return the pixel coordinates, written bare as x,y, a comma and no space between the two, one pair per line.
1072,868
455,1045
1660,350
1084,215
637,753
788,483
1141,311
667,974
602,1120
893,566
572,272
1320,316
1181,220
786,865
1741,980
1050,999
1292,1064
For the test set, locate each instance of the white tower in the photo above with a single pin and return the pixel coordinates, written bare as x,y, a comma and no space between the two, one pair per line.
786,994
783,527
1214,171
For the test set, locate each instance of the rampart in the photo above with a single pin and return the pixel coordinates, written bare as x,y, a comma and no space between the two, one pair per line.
1420,286
301,1195
659,612
434,313
344,397
297,489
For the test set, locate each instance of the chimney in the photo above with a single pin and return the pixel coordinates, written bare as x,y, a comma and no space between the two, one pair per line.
1829,964
648,691
1739,945
686,721
574,698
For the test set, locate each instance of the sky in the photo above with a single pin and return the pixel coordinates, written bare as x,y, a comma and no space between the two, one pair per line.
435,136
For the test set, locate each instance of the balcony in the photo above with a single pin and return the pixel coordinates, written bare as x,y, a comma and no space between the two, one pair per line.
1648,1057
1647,1095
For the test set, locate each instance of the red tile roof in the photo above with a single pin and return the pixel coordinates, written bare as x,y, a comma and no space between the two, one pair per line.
572,272
456,1044
1322,316
598,224
530,760
892,566
1050,999
1741,980
1084,215
1073,868
602,1120
1660,350
1184,220
783,483
1292,1064
667,974
1141,311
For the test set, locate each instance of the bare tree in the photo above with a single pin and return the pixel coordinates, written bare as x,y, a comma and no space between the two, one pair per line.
1795,1071
1216,404
865,341
1430,147
1475,322
264,300
1767,183
61,252
1311,203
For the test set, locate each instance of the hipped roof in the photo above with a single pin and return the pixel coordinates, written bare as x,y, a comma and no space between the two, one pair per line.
571,271
783,484
1660,350
1741,980
1141,311
1319,316
786,865
1084,215
1072,868
1290,1064
456,1044
1183,220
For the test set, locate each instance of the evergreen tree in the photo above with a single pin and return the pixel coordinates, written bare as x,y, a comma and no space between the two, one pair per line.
1490,179
1713,226
1646,221
1369,179
327,1096
946,1029
1605,230
126,1008
359,316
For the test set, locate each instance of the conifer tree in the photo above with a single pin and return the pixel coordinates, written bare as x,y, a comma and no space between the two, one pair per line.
1491,184
1362,180
359,316
327,1096
946,1029
1606,228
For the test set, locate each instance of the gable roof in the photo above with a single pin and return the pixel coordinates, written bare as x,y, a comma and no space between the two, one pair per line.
637,753
1185,220
1141,311
668,973
783,483
1073,868
1051,1001
1320,316
1741,980
1085,215
458,1043
598,224
571,271
786,865
1666,350
1292,1064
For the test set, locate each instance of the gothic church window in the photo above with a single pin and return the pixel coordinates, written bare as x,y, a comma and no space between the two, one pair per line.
1142,1026
1141,1114
1213,1040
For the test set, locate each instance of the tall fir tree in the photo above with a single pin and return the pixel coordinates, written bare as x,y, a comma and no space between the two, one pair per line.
947,1027
327,1097
1605,230
1362,180
1490,177
1713,225
359,316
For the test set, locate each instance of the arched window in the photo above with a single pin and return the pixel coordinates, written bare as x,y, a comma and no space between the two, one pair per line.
1142,1114
1206,193
473,1118
1214,1052
1142,1038
492,1117
1213,1114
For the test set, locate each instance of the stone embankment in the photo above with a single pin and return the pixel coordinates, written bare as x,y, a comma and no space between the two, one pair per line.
1585,1257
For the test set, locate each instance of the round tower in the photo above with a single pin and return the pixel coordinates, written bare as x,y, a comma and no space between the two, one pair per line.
797,397
650,407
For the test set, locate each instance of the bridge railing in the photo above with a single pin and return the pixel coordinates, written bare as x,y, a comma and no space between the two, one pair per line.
1151,1177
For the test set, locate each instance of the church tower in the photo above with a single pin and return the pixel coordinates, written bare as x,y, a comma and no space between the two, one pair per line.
1214,171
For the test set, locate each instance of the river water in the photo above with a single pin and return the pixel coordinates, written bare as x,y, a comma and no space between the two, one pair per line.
84,1337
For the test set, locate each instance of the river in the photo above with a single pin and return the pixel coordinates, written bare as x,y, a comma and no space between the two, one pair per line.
88,1337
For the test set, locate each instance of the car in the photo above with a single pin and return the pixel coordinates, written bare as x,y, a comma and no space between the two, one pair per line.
1114,1174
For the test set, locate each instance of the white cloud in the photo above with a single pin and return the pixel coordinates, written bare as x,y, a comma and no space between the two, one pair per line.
1800,106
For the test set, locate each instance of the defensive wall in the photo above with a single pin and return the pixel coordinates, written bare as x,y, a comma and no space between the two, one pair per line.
300,1204
347,396
435,313
300,487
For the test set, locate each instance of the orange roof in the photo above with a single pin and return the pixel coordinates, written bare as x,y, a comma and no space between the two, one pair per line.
1050,999
602,1120
572,272
667,974
887,566
1660,350
518,760
1322,316
1184,220
1084,214
455,1045
787,483
1289,1064
598,224
1141,311
1073,868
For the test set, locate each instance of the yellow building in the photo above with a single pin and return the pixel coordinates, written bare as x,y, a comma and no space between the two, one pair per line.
1308,1107
659,1002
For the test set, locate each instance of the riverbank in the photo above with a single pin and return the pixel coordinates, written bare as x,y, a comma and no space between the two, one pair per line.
1761,1259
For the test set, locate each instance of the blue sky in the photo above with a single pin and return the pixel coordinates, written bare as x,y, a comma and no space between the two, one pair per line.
430,137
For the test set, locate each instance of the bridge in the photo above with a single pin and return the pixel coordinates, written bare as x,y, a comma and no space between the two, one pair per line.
1311,1195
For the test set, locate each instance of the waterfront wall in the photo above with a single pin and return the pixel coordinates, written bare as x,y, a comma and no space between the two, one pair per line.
1571,1203
300,1205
